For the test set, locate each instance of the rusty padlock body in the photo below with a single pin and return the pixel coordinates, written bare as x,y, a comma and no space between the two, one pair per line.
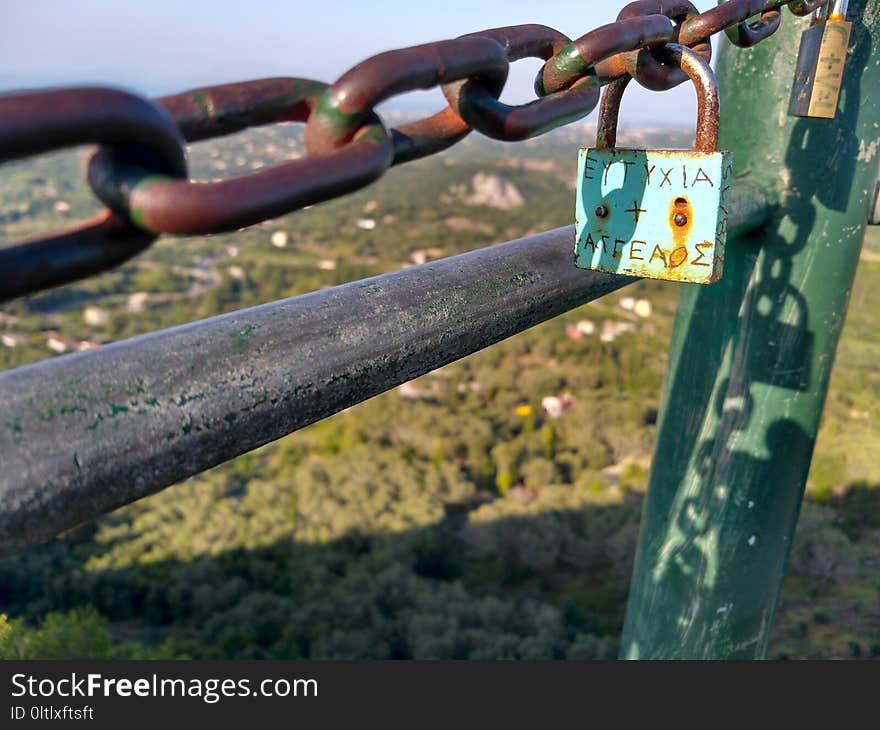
659,214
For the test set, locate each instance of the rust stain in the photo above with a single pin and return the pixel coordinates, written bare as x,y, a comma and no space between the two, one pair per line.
680,234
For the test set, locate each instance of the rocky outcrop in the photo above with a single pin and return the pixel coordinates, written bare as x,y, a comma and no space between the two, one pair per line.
496,191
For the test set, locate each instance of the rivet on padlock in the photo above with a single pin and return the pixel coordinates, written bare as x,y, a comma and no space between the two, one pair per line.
818,75
659,214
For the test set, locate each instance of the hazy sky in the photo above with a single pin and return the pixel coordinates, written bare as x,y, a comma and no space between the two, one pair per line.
163,46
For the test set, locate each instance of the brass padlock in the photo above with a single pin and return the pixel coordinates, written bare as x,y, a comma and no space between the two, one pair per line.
819,72
659,214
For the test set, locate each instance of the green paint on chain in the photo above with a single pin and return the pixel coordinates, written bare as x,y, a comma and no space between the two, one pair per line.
333,118
137,216
568,63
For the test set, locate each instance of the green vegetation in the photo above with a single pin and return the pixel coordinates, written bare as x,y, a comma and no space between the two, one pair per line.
453,518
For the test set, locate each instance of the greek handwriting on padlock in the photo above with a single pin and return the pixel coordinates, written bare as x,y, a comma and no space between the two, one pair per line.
658,214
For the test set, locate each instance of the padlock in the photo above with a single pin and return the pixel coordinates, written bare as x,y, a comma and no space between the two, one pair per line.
819,72
658,214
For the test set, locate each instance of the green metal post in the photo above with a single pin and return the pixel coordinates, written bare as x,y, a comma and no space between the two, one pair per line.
751,357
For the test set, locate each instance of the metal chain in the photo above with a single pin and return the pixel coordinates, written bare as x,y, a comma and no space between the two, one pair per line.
138,169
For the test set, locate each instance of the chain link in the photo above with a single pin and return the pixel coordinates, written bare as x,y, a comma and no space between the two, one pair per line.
138,169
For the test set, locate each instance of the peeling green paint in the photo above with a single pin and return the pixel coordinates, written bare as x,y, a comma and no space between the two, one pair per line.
68,410
241,336
187,398
51,413
524,278
115,410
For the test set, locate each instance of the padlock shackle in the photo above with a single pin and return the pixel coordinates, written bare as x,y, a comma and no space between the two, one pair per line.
838,9
833,10
708,103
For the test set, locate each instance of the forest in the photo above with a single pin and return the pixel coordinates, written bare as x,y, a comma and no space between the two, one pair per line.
489,509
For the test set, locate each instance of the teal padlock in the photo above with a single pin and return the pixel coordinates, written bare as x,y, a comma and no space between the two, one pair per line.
658,214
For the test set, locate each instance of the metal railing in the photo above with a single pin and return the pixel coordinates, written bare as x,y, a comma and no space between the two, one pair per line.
90,432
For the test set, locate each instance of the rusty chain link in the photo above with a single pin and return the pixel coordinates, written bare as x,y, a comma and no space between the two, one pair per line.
138,169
